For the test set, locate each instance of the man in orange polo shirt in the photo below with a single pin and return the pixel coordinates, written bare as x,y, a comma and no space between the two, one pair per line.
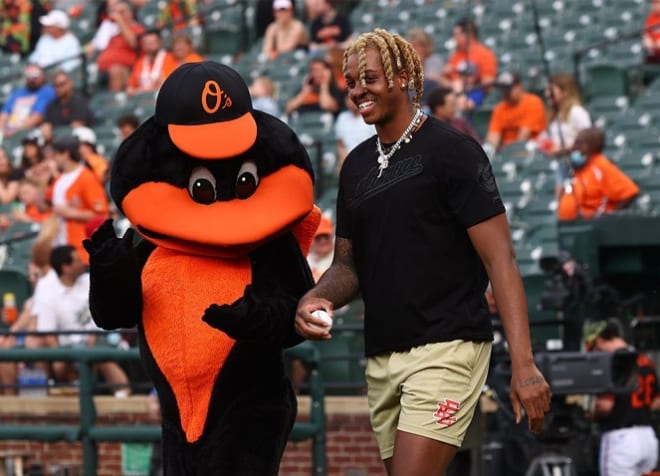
598,186
519,116
76,195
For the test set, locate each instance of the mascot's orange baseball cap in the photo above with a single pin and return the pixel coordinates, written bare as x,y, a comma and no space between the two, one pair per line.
207,110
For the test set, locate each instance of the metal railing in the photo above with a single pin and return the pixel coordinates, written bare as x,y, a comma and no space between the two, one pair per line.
88,433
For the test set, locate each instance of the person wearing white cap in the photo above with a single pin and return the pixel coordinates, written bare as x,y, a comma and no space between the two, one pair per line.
87,149
56,45
286,33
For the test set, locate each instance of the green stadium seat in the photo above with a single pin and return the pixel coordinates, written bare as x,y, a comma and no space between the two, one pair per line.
605,79
480,118
223,30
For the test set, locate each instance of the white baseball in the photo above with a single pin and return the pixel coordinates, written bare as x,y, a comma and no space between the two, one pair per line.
325,317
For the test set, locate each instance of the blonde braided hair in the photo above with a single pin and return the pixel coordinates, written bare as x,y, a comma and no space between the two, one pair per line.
396,54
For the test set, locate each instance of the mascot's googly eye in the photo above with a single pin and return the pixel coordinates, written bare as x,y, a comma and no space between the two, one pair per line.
201,186
247,180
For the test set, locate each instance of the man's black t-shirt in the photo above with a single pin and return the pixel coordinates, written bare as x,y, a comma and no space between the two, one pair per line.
421,279
75,108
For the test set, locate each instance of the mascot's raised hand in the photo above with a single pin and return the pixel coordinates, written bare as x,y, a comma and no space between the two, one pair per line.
221,196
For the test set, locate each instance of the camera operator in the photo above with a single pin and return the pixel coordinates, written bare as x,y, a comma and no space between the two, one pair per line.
629,445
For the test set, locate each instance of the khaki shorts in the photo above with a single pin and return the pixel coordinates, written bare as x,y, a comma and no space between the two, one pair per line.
431,391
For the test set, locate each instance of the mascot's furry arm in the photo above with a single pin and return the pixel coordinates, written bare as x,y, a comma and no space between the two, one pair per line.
267,308
116,288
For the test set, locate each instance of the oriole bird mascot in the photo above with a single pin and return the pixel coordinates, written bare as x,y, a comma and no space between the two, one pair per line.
222,197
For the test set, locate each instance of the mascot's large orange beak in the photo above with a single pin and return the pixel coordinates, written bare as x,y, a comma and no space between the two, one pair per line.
167,216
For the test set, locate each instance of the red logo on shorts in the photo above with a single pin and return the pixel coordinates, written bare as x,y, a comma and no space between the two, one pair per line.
446,411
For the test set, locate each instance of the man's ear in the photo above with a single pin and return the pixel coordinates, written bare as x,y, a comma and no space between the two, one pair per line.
402,79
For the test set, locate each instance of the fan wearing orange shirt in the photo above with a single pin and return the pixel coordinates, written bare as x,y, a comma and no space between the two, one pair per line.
651,37
183,50
470,51
598,186
153,66
76,195
519,116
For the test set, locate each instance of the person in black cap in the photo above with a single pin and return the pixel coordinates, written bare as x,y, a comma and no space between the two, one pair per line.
222,195
518,117
629,444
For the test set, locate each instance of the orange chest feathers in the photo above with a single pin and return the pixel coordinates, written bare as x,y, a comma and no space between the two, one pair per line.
177,288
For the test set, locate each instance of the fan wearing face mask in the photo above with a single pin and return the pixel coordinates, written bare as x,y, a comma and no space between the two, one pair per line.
597,186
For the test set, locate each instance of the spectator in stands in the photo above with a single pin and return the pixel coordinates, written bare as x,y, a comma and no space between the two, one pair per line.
69,107
322,249
567,116
335,58
63,305
119,33
19,30
319,91
651,36
470,54
76,196
286,33
9,179
56,46
263,93
176,15
184,51
442,104
90,156
329,27
34,164
598,186
152,67
520,116
433,63
471,94
38,268
26,107
126,124
628,443
33,204
350,130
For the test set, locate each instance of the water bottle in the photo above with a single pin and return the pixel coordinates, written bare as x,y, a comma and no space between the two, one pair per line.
9,309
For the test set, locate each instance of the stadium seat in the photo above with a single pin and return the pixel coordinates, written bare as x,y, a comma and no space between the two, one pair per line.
605,80
223,30
480,118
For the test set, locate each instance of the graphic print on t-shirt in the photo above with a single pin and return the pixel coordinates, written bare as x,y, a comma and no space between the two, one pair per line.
398,171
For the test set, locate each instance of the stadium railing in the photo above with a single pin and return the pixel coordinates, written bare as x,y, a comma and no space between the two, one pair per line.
88,433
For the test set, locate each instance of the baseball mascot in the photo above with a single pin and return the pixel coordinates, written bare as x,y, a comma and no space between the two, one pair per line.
222,198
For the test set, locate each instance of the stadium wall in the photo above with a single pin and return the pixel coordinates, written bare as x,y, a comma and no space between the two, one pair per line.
351,448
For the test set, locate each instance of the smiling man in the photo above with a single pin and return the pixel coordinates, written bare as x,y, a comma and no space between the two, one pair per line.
420,229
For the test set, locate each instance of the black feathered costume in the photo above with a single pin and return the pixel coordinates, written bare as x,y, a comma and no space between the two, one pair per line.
222,196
